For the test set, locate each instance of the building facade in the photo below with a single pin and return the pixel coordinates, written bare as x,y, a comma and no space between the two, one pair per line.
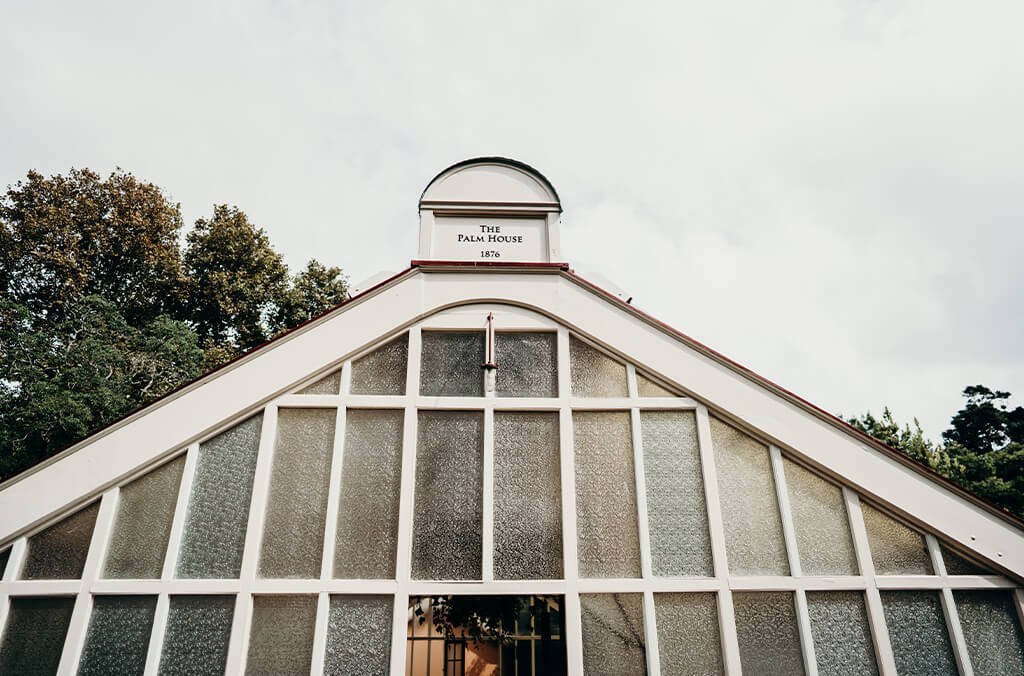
485,464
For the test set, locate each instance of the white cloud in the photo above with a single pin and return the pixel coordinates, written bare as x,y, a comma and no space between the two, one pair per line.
827,192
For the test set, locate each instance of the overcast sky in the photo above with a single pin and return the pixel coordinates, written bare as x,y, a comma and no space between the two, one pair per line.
830,193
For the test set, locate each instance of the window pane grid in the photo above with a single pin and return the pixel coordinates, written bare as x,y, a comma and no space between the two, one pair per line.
645,582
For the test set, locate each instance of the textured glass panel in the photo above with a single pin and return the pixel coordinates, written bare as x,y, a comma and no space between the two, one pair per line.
917,632
842,640
753,529
197,635
822,527
371,474
676,511
527,497
527,364
329,384
958,565
358,635
593,374
451,364
4,557
58,553
606,521
688,640
281,635
118,637
218,511
447,526
613,634
383,371
293,534
646,387
33,638
145,509
767,633
895,549
992,631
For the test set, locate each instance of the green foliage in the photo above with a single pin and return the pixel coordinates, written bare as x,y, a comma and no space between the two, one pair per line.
236,280
82,372
67,237
101,311
984,449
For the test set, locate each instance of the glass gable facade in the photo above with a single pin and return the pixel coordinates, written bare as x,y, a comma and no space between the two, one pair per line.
404,513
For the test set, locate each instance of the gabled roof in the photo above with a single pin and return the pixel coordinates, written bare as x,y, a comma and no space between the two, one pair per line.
212,402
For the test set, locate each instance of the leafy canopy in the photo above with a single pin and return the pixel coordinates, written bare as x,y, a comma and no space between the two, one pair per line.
984,449
102,310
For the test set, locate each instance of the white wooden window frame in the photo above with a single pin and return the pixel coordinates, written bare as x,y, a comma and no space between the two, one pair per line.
401,589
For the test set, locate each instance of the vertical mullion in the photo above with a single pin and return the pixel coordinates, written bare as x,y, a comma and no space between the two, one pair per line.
334,492
156,636
876,614
789,535
956,634
323,609
238,646
573,629
651,634
487,555
83,602
188,474
716,528
403,564
14,560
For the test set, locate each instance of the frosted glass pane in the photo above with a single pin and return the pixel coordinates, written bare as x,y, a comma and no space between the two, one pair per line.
447,526
676,510
958,565
293,532
118,636
527,497
358,636
145,509
895,549
371,474
452,364
992,631
767,633
750,511
218,511
33,638
383,371
527,364
646,387
281,635
4,556
58,553
822,527
917,632
613,634
606,521
842,640
329,384
688,639
593,374
197,635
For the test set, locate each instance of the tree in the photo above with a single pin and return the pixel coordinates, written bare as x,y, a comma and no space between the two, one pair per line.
984,449
67,237
983,424
84,371
236,281
100,312
313,291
